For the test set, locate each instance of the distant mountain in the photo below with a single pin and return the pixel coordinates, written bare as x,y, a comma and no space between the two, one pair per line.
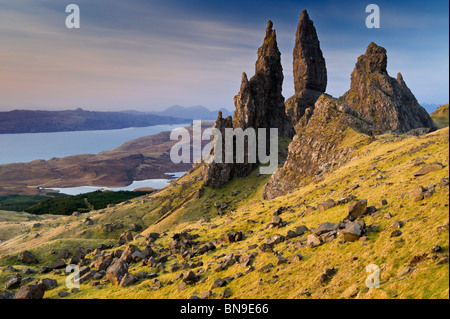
192,112
24,121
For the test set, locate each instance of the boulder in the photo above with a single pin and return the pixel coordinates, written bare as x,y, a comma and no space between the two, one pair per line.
357,209
281,260
190,277
135,227
326,205
266,268
428,169
296,258
352,232
218,283
275,240
325,228
13,282
31,291
48,283
125,237
57,264
127,280
313,241
27,257
397,224
116,271
396,233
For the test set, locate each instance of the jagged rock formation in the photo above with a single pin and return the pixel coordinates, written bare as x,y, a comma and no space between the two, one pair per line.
259,104
320,145
218,174
310,73
385,101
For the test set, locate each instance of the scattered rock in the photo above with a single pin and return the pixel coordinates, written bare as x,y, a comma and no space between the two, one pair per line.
135,227
125,237
443,261
352,232
10,268
357,209
275,240
313,241
27,257
405,271
436,249
190,277
48,283
296,258
266,268
428,169
116,271
63,294
127,280
396,233
325,228
218,283
57,264
13,282
326,205
31,291
281,260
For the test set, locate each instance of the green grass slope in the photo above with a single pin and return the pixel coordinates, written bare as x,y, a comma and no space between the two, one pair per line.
441,116
381,170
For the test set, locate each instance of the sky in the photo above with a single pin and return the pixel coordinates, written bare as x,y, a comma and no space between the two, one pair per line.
148,55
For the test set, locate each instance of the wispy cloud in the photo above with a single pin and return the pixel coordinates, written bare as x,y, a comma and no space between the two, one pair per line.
140,54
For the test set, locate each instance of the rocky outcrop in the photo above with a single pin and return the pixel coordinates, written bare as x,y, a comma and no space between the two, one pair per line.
312,154
217,175
259,104
385,101
310,71
309,68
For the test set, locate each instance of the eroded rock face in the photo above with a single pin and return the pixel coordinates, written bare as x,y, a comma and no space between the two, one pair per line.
310,72
311,153
217,175
385,101
259,104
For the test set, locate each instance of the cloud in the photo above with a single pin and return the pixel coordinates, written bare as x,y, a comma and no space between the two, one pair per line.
142,55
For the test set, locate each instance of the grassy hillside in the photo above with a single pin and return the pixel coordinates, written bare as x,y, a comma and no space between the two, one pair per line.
381,170
441,116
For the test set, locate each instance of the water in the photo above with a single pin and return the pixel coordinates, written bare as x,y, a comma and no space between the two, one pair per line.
27,147
154,183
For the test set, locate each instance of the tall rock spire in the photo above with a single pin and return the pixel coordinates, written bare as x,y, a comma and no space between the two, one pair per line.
309,64
310,72
385,101
259,104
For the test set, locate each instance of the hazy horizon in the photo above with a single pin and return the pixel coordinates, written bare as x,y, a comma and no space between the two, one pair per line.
150,56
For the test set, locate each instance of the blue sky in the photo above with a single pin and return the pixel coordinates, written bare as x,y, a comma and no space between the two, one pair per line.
149,55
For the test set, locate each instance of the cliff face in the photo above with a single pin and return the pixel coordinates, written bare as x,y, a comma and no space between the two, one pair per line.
321,145
328,130
218,174
259,104
309,69
385,101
